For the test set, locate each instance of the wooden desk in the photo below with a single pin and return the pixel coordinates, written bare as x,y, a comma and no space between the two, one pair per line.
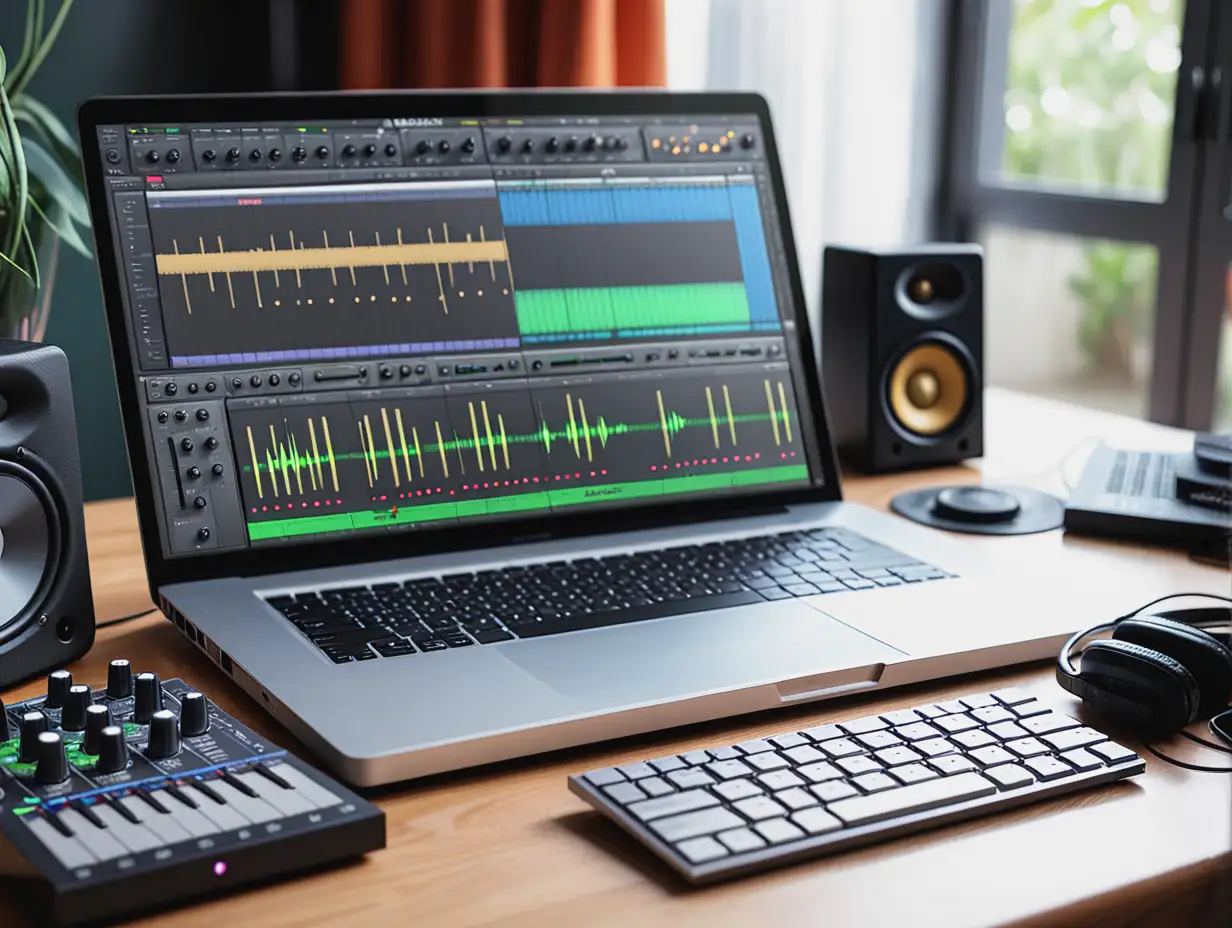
508,845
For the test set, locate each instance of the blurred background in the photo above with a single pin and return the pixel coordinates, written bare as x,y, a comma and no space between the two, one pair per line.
1087,144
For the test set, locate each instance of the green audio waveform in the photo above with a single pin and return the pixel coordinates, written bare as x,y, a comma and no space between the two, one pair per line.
600,309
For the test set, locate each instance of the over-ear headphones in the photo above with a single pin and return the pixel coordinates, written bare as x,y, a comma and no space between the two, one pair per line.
1156,673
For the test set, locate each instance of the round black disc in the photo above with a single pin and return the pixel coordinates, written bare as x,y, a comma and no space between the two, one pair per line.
24,546
982,510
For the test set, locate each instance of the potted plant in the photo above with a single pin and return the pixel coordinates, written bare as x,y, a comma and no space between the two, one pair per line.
41,200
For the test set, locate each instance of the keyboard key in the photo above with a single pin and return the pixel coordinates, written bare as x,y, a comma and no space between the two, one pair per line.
952,706
978,701
755,808
1082,760
756,747
1010,776
1007,731
636,771
690,778
975,738
935,747
819,773
918,731
952,763
875,740
816,821
769,761
1072,738
728,753
775,592
729,769
789,740
824,732
1049,768
929,711
1012,696
655,786
741,840
874,782
779,779
1049,722
955,723
667,764
801,589
912,773
694,758
1027,747
864,725
604,777
700,850
840,747
672,805
1113,753
733,790
805,754
796,798
861,763
917,798
833,790
778,831
1029,709
624,793
991,714
991,755
898,755
902,717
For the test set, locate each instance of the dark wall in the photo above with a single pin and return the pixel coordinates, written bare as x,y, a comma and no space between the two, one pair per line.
150,47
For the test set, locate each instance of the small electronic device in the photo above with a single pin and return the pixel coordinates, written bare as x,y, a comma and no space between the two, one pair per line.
143,795
732,810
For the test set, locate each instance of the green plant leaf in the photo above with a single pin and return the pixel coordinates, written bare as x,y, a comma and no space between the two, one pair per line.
44,45
15,162
11,263
55,181
67,231
58,138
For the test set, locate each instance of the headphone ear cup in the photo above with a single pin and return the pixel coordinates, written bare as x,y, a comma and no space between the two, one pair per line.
1148,689
1205,657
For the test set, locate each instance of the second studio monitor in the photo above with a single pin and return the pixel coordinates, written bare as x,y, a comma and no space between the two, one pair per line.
902,346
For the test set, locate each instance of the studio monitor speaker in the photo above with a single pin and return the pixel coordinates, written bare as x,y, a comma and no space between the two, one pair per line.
902,344
46,608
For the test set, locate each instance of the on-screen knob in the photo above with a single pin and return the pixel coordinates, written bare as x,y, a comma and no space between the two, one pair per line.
387,372
218,470
180,415
98,717
203,415
747,140
209,386
391,150
194,714
33,724
275,154
209,155
173,156
423,147
194,472
151,156
233,155
187,445
119,679
572,143
255,380
552,145
51,763
469,146
421,369
255,155
622,143
211,444
444,147
404,370
73,716
294,379
171,389
503,144
237,383
591,143
299,153
203,533
162,416
149,695
274,380
164,735
113,751
610,142
528,146
348,150
322,152
200,502
58,683
536,365
193,388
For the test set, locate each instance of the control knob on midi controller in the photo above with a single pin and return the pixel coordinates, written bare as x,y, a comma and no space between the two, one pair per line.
747,140
151,157
33,724
203,533
164,735
387,372
58,683
444,146
322,152
211,444
217,470
552,145
209,155
149,695
73,716
528,146
391,150
173,156
591,143
194,472
504,144
194,714
348,150
233,155
275,154
200,502
299,153
187,445
119,679
469,146
112,751
50,764
423,147
255,155
98,717
572,143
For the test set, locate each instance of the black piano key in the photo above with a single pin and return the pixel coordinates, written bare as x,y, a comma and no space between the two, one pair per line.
271,775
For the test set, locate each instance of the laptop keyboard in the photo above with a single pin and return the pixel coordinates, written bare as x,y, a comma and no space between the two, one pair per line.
429,614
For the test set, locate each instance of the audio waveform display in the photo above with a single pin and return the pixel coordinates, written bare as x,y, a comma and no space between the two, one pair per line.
286,274
509,449
626,310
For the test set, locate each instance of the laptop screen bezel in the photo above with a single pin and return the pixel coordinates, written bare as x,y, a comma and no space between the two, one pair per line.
255,561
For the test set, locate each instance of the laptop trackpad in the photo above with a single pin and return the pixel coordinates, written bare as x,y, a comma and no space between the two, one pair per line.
693,654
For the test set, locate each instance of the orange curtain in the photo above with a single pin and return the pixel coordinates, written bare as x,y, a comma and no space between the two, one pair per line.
502,43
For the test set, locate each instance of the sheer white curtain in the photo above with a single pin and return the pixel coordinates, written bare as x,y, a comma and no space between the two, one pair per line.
854,87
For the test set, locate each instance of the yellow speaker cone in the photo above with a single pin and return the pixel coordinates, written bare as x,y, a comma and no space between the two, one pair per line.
928,389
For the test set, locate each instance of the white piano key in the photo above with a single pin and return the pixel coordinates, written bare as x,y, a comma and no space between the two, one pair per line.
256,811
224,816
102,845
186,817
308,788
286,801
69,851
162,824
136,838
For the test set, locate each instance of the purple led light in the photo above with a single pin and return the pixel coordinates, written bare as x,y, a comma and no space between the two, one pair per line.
220,867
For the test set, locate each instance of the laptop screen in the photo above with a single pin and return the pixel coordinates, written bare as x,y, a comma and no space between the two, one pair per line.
344,327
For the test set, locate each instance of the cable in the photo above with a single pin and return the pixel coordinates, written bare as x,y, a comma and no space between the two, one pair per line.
125,618
1164,599
1181,763
1206,744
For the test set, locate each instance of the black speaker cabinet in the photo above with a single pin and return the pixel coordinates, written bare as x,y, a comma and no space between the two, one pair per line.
902,344
46,608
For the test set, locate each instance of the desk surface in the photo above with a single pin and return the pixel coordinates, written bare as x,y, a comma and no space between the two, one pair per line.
509,845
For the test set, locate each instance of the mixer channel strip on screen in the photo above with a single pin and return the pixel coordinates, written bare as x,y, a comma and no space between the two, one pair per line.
144,794
347,327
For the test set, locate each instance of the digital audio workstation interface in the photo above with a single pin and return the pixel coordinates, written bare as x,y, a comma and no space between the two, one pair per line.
365,326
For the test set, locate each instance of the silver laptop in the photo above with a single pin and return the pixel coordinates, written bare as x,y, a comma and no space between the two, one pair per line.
469,426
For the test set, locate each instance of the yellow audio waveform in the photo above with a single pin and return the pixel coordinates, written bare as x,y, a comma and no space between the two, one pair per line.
332,257
776,415
284,459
